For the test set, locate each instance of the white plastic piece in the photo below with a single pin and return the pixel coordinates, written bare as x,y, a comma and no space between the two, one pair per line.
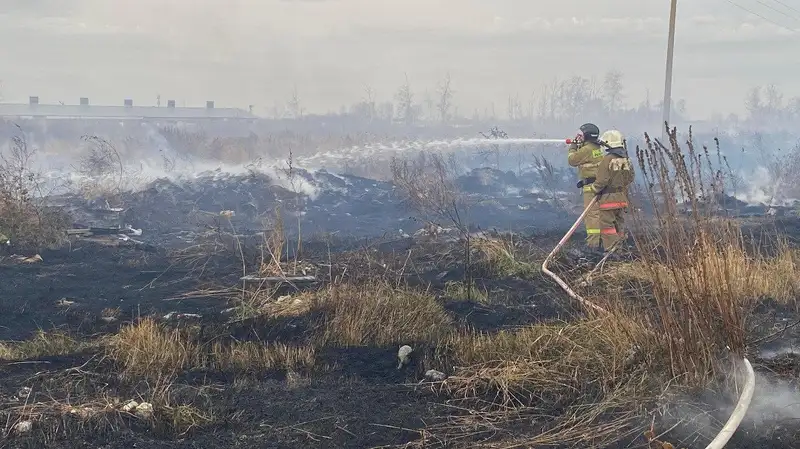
738,413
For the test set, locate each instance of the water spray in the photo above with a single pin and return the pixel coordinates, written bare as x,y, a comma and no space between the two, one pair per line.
742,405
477,142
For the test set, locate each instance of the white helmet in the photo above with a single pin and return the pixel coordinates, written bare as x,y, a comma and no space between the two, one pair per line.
613,139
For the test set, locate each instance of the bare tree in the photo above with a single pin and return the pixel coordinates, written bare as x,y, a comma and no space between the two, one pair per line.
405,103
774,100
753,102
369,101
514,108
445,103
294,107
612,90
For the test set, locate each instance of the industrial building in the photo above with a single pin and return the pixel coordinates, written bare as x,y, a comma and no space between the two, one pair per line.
126,111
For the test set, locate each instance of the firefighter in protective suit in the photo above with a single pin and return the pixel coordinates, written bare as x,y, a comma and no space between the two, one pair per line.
586,153
614,176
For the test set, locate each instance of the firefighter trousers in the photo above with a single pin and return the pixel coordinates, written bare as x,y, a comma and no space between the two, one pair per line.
592,219
612,226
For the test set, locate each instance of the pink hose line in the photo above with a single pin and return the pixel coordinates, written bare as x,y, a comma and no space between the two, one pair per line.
742,405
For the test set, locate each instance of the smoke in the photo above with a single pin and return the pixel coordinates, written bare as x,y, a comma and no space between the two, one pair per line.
775,405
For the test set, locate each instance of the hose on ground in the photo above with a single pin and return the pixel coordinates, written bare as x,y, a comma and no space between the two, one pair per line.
742,405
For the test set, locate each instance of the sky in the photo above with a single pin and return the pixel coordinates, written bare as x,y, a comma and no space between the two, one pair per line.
243,52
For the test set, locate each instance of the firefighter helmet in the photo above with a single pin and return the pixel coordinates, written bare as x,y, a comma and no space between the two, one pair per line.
590,132
613,139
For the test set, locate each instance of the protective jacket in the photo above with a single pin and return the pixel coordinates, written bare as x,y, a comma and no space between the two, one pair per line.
614,175
587,158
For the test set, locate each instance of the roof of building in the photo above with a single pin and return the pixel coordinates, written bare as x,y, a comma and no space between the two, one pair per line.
120,112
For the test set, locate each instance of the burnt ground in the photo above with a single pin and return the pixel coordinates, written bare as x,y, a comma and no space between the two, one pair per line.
362,400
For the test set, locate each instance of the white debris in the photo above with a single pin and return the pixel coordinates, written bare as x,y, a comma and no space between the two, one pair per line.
130,406
435,376
178,316
133,231
24,392
404,355
144,410
23,427
64,302
83,412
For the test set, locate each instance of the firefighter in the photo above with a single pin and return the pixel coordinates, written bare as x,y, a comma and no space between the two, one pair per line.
586,153
614,176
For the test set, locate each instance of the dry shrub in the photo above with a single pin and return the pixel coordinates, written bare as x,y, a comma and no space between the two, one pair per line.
153,351
428,183
704,276
379,314
25,217
272,248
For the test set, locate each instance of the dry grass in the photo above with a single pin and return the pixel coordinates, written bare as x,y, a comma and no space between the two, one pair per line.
746,277
153,351
381,315
42,344
566,383
106,414
501,257
461,290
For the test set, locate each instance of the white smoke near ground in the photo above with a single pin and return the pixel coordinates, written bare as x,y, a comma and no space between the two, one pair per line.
156,160
775,405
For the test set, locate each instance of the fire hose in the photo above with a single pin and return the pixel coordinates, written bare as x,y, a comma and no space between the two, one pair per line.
742,405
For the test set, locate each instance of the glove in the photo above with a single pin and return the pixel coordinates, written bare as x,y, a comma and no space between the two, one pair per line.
578,138
579,184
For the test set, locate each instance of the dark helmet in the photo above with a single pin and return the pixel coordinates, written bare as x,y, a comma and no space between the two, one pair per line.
590,132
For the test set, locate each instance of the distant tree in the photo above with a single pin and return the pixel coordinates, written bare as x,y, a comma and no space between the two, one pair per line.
405,103
613,90
369,102
294,107
445,103
753,102
514,108
774,100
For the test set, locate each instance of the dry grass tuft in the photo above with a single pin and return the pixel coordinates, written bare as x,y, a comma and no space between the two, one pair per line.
459,290
565,383
557,361
152,351
501,257
747,277
379,314
42,344
255,358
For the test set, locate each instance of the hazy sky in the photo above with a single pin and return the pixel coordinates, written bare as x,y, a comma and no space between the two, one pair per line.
240,52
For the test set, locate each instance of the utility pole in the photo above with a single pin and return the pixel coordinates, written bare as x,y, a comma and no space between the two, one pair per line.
668,77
